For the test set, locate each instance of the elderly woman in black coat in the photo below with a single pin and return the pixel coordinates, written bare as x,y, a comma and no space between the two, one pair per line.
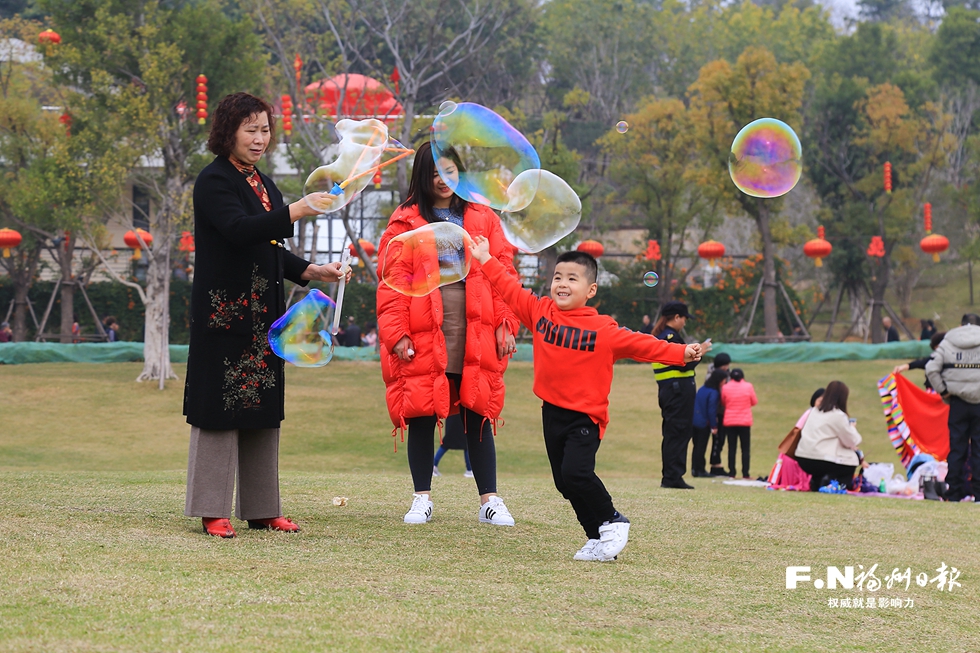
233,397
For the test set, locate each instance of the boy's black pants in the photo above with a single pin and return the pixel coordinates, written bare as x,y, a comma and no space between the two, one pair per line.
572,440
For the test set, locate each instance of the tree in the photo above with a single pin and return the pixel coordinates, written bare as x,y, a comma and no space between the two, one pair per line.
429,41
57,169
724,99
139,60
653,165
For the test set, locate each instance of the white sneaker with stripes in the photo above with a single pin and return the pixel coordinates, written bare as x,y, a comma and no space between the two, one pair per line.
495,512
588,552
421,510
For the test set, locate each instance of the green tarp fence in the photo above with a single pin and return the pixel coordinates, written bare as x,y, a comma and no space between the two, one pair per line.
16,353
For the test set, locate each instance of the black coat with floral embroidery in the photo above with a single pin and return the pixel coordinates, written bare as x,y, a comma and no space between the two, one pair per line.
233,379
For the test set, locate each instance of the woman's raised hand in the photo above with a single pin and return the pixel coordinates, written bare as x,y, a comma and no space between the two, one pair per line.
404,349
327,272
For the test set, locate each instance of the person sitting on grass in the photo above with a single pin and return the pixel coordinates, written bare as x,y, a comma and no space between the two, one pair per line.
828,444
574,352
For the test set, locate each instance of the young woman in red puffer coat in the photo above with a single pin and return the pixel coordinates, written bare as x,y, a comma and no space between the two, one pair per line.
448,349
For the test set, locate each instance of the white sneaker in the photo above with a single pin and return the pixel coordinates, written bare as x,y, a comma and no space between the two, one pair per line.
587,552
468,473
421,510
495,512
612,539
435,471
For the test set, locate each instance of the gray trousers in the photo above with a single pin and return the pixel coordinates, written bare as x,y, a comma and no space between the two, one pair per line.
212,462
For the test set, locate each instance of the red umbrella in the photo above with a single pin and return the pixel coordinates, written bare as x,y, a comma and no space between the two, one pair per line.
355,96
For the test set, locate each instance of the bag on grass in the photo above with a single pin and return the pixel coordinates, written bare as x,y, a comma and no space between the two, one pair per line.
876,472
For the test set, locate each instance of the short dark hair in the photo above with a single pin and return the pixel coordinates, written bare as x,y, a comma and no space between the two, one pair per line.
737,374
970,318
816,395
717,376
835,397
936,339
585,260
232,112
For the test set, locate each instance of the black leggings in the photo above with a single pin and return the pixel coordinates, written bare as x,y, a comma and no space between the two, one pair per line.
736,434
479,445
818,469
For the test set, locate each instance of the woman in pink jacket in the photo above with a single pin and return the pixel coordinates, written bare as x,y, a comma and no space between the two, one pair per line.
738,396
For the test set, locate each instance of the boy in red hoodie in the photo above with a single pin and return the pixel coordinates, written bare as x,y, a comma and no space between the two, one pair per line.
574,352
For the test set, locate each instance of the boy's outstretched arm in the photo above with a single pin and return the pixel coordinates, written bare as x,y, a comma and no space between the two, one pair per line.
648,349
521,301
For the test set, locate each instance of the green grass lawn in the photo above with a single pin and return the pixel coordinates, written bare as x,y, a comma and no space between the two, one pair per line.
98,557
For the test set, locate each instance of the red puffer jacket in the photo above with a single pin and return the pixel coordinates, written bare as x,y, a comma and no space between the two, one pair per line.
420,387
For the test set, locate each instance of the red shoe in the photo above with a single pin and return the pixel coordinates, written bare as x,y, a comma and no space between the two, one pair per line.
218,527
276,524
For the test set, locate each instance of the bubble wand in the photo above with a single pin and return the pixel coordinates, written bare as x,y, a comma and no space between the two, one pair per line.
344,267
338,188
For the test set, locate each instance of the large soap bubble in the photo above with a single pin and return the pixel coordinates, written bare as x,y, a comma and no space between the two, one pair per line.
419,261
362,144
766,158
302,335
542,210
479,154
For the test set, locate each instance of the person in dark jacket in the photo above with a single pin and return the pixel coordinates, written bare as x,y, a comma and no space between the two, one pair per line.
233,395
706,418
675,391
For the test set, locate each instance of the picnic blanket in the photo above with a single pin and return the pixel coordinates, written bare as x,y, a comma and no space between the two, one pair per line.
917,420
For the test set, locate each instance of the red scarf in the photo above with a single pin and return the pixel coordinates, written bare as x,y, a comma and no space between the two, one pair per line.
254,180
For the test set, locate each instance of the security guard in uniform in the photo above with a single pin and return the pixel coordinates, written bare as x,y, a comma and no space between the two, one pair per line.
676,391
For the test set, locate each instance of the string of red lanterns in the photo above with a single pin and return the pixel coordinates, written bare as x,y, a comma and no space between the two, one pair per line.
202,99
287,114
888,177
653,251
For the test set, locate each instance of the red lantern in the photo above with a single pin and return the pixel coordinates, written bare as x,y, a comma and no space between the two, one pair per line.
592,247
711,250
888,177
133,241
395,77
877,247
377,178
202,99
65,119
818,248
298,67
366,245
8,238
653,251
934,244
49,36
927,216
186,244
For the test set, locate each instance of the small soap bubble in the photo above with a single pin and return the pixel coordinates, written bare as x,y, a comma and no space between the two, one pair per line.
478,154
419,261
766,158
302,335
542,210
362,144
622,126
651,279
